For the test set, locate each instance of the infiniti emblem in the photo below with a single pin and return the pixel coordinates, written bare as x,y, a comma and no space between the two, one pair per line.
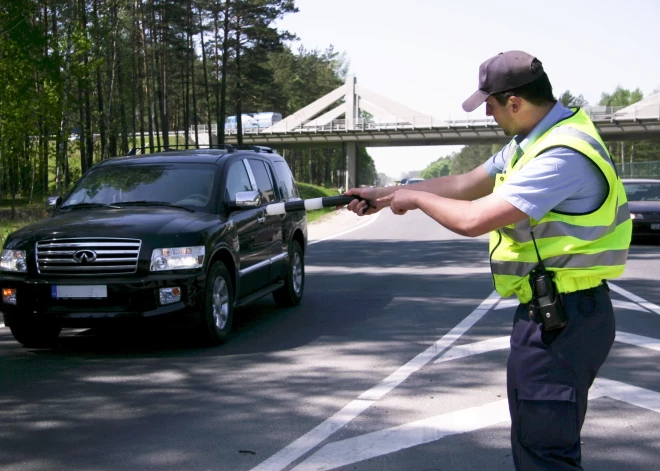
84,256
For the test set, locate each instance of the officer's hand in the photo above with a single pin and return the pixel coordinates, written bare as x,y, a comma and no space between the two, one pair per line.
367,205
401,201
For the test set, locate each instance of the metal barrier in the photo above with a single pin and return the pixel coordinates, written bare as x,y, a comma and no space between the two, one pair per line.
649,169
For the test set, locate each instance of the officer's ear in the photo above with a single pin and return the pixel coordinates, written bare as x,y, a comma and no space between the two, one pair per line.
515,103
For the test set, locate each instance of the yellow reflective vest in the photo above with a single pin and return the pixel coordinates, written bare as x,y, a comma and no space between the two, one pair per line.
581,249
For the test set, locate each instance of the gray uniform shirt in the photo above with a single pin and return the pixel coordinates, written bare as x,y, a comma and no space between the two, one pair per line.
559,179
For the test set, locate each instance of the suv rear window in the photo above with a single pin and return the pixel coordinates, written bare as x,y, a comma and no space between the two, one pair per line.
286,182
264,182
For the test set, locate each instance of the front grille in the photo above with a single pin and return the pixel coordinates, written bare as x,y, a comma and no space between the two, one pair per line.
89,256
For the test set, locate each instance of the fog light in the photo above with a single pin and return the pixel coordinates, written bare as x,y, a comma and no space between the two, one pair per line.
170,295
9,295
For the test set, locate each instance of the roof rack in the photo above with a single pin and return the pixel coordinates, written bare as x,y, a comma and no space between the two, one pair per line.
138,150
255,148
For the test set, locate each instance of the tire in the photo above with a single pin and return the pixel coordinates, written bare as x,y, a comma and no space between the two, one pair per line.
218,312
291,293
35,334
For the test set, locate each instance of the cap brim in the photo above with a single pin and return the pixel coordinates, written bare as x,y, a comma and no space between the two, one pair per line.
475,101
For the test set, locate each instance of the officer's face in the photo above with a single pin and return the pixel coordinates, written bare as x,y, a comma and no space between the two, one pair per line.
503,115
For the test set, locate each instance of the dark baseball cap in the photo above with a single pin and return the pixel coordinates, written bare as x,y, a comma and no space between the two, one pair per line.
505,71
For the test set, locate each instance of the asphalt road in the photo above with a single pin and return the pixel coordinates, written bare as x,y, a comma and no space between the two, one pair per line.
395,360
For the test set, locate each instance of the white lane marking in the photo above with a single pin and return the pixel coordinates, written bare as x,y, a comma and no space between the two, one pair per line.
466,350
391,440
371,220
501,343
634,395
505,303
633,297
310,440
370,445
628,305
400,270
638,340
633,306
1,325
315,436
400,375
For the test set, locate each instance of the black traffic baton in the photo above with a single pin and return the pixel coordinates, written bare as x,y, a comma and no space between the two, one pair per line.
312,204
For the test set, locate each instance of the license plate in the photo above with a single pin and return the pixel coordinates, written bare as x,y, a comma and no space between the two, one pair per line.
655,227
79,291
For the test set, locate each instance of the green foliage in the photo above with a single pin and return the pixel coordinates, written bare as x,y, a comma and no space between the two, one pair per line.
439,168
621,97
367,174
569,100
308,191
470,157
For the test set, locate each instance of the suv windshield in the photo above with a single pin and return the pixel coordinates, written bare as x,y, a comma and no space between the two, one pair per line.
179,184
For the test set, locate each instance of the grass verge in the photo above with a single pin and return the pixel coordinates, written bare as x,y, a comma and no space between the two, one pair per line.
308,191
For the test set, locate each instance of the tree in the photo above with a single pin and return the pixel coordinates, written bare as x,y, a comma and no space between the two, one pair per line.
471,156
621,97
569,100
439,168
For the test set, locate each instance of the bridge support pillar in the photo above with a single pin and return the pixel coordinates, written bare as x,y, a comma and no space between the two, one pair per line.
351,164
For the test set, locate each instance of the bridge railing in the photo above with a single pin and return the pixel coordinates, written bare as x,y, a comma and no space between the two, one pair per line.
598,114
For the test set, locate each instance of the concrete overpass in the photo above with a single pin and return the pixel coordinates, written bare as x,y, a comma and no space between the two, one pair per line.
352,115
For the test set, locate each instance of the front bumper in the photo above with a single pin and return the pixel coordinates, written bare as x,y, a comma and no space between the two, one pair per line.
126,300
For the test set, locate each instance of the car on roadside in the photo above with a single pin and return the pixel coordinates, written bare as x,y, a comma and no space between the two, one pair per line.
644,204
180,237
414,180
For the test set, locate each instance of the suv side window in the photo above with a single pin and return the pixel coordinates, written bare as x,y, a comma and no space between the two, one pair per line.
237,180
286,183
264,182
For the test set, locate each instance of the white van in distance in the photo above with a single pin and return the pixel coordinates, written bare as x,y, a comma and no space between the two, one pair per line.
252,122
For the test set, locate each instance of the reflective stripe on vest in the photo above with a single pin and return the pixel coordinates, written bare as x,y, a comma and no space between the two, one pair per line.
581,249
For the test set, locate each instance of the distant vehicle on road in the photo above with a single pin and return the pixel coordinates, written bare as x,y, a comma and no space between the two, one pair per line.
413,180
644,203
253,121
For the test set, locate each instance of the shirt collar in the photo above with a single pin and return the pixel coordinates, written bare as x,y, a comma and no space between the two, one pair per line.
556,114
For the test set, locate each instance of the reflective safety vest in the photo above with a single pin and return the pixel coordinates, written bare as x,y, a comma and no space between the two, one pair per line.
581,249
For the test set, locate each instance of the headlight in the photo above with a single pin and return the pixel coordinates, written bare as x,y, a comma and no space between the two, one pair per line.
179,258
13,260
636,216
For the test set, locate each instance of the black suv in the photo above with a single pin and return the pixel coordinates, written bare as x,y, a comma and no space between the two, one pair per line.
181,236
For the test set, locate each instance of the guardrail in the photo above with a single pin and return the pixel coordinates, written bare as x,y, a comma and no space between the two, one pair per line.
598,114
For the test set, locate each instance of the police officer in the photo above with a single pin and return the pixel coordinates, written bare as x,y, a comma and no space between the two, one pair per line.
559,223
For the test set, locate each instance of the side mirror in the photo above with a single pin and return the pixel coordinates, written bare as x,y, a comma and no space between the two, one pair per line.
247,199
52,202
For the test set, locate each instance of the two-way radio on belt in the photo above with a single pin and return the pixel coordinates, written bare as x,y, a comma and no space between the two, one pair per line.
311,204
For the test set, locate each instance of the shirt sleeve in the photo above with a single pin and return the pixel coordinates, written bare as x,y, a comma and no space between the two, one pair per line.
559,179
497,162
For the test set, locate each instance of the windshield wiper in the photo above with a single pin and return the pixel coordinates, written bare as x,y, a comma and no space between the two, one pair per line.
87,206
152,203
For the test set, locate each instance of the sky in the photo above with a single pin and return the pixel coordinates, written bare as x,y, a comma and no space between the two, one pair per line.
425,54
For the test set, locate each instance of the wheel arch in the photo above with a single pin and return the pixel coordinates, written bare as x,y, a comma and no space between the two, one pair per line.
224,255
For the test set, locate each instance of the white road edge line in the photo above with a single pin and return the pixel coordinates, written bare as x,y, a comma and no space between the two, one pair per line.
373,217
311,439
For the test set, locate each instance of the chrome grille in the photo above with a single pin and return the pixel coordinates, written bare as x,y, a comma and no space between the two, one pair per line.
89,256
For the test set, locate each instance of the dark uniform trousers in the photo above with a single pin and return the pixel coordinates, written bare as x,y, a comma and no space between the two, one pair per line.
549,375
